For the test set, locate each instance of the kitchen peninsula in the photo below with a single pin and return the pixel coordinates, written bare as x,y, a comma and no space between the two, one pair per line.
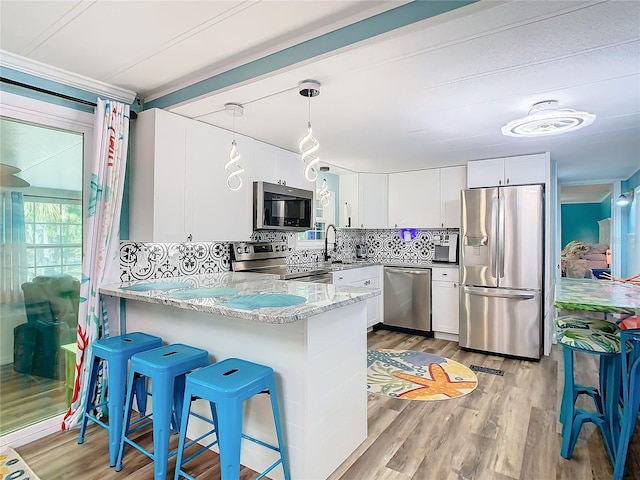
312,335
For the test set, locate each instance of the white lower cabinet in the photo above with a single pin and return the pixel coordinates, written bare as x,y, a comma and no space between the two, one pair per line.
445,308
369,277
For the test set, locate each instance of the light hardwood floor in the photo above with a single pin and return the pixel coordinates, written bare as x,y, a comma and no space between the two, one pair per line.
27,399
506,429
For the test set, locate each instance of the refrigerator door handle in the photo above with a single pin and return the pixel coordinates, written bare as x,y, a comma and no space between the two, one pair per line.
501,239
494,234
485,292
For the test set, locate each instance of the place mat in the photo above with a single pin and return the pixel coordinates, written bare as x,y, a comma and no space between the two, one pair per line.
12,466
148,286
262,300
413,375
203,292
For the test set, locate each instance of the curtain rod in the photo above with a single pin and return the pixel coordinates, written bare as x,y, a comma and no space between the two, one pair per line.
132,115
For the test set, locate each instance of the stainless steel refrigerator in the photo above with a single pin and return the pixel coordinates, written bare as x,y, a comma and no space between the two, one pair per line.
502,270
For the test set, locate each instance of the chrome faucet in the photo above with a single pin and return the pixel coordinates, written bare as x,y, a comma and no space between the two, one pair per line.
326,241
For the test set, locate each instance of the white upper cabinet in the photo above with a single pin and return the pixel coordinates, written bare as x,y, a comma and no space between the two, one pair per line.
290,168
264,163
178,182
526,169
158,178
452,181
426,198
414,199
217,212
363,198
348,208
276,165
372,200
522,170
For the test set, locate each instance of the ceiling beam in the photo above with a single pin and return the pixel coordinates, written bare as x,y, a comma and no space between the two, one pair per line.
398,17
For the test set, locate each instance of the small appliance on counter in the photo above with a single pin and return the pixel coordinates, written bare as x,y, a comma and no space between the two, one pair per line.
445,248
362,251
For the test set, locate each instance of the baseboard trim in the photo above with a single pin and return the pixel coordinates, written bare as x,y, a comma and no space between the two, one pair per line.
32,432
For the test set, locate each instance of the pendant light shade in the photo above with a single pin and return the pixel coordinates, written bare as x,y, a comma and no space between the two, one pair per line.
233,167
308,144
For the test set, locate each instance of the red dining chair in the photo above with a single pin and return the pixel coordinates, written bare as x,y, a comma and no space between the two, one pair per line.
630,323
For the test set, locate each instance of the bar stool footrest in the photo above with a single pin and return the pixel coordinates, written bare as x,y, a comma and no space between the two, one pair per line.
262,475
260,442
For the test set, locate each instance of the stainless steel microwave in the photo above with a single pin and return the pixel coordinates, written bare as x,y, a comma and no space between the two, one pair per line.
279,207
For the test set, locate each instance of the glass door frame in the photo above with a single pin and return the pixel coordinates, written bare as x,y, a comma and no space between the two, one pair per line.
48,115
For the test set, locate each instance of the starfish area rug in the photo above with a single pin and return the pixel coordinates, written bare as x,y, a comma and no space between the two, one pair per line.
413,375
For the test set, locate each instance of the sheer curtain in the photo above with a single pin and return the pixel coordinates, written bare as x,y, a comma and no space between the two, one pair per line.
13,272
100,243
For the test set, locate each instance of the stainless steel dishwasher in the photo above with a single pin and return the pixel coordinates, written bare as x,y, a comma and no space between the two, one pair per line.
407,299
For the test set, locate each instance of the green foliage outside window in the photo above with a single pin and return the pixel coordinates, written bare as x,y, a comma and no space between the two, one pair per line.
53,232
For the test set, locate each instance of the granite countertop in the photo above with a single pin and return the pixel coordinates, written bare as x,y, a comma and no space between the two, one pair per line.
242,295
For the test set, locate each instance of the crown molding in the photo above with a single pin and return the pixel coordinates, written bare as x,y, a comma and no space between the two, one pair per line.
64,77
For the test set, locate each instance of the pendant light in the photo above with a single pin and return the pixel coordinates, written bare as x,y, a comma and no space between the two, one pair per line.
233,167
323,193
308,144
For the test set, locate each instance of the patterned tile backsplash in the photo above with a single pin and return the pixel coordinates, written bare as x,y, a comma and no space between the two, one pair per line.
142,261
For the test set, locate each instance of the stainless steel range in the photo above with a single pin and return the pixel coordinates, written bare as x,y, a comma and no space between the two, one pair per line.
271,258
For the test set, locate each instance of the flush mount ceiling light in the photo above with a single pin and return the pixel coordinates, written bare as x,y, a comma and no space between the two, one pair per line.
308,145
545,118
233,168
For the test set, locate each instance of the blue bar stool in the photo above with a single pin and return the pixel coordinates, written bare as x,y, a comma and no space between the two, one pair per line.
166,367
226,385
116,352
577,322
607,347
630,396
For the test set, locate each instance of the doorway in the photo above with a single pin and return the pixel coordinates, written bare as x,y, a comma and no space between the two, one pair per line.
586,230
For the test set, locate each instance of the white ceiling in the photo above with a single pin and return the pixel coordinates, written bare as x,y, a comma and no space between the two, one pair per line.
430,94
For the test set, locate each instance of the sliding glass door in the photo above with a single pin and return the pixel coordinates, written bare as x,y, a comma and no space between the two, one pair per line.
41,255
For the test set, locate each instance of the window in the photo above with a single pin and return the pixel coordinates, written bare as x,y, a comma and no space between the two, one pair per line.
53,231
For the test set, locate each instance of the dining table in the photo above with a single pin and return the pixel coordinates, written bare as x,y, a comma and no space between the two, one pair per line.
606,297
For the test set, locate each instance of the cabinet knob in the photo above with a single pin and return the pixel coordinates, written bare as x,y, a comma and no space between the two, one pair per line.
340,278
361,225
499,182
444,274
190,237
507,181
367,282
